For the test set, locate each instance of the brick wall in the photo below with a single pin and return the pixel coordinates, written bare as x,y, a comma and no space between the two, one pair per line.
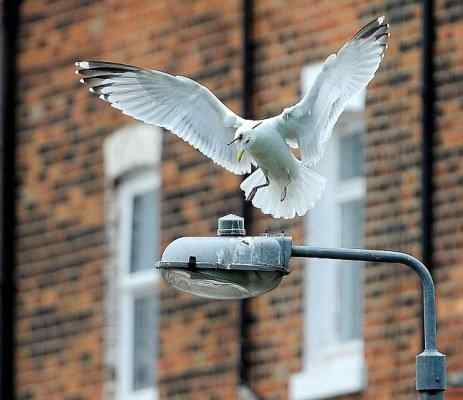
392,303
286,39
62,247
449,179
61,242
199,339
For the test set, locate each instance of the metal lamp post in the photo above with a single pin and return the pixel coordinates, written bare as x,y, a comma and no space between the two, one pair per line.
234,266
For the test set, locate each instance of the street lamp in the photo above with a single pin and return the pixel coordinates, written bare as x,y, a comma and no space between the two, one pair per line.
228,266
235,266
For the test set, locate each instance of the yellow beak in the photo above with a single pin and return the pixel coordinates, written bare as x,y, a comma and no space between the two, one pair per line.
240,155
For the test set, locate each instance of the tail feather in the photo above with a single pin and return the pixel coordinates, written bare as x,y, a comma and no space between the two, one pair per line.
301,194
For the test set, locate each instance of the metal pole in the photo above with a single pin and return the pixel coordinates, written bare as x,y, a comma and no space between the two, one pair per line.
431,376
9,14
247,64
428,98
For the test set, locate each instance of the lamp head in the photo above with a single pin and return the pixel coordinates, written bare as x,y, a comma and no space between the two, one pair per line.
227,266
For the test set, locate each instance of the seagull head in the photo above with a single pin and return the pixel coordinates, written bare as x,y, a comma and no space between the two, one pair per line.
245,136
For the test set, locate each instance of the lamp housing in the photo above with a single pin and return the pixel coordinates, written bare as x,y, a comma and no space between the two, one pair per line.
228,266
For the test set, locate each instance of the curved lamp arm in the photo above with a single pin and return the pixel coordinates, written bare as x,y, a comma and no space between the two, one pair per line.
430,364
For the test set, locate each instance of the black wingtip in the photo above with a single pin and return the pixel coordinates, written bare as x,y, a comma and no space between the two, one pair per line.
83,65
378,27
96,74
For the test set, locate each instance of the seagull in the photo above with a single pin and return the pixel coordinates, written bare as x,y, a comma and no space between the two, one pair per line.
280,184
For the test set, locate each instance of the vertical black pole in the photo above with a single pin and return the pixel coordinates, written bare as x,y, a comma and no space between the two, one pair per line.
427,129
428,97
427,123
10,23
248,58
246,210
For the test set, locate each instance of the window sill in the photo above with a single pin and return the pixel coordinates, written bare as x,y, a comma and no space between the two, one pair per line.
330,376
143,394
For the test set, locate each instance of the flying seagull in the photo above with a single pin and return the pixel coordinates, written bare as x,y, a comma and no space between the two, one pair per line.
282,185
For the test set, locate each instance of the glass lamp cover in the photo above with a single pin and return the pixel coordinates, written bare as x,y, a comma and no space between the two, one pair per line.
222,284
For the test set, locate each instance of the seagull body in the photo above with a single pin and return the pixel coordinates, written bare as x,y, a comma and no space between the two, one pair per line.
271,152
282,185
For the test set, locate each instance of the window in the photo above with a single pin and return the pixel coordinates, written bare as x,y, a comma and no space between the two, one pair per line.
139,248
132,159
333,360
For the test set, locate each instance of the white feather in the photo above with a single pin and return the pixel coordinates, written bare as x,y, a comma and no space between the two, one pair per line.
192,112
343,75
176,103
302,193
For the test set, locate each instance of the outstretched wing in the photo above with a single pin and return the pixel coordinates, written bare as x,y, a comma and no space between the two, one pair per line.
176,103
343,75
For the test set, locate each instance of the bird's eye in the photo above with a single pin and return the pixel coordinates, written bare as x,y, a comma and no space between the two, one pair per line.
240,136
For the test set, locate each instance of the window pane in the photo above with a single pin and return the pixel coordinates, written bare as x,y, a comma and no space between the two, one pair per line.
145,243
350,156
352,223
145,341
351,306
322,309
350,276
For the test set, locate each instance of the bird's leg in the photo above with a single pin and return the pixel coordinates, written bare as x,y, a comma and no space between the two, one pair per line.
284,193
255,189
285,189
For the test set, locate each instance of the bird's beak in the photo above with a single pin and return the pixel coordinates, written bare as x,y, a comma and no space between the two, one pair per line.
233,141
240,155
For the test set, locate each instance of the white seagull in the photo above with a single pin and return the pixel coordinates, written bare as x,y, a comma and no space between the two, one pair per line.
282,185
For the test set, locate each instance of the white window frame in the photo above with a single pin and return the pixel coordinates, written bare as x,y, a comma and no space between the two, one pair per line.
338,367
132,285
132,159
